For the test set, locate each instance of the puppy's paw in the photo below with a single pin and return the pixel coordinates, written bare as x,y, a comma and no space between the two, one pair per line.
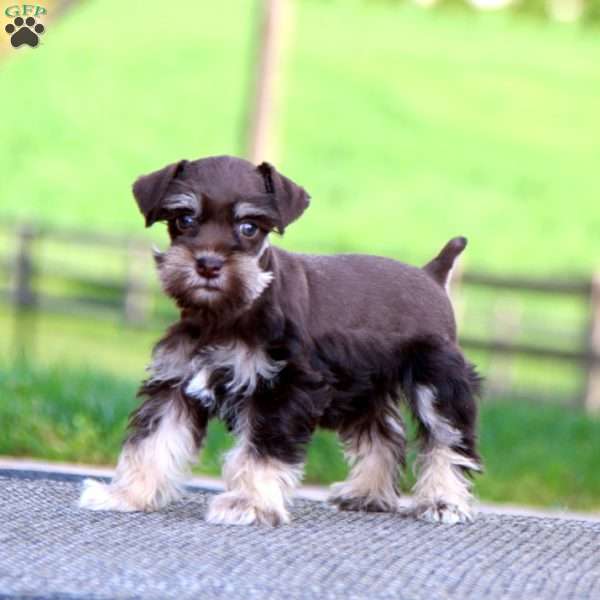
104,496
233,508
442,512
345,498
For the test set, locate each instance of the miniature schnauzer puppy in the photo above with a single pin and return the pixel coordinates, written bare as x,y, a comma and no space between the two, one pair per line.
276,344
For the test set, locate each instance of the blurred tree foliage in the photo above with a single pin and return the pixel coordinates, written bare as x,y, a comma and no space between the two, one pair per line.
536,8
591,13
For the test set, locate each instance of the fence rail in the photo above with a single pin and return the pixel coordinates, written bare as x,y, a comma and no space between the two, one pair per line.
131,297
576,287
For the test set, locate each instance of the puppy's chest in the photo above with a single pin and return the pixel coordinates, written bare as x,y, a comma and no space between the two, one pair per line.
215,375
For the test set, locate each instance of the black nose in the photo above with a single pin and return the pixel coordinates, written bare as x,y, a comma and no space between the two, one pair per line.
209,266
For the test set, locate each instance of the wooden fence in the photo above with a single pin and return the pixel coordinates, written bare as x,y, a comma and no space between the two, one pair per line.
134,297
587,356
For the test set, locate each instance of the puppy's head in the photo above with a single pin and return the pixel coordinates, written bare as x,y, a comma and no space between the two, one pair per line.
219,212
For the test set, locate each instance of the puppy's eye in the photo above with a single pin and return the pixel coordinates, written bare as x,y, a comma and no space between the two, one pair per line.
184,223
247,229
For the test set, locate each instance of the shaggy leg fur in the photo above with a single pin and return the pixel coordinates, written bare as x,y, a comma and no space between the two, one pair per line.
154,461
266,464
446,411
258,488
374,454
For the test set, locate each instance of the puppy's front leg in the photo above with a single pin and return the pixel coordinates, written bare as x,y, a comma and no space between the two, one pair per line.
258,488
165,434
266,464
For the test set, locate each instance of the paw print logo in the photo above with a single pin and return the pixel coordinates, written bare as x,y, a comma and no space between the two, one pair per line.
24,32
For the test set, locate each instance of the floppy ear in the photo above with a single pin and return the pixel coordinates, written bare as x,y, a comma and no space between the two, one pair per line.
149,190
291,200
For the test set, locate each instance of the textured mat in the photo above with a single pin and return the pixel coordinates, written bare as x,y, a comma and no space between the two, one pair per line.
51,549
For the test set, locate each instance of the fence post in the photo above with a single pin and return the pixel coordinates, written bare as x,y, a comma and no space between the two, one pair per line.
25,297
592,390
506,327
137,293
263,109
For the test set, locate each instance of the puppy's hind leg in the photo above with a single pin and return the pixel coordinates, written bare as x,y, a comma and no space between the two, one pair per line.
166,432
374,447
441,394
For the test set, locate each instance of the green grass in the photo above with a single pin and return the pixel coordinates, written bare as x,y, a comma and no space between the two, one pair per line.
78,342
538,455
406,126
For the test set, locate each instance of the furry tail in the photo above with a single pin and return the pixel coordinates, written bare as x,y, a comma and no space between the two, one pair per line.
440,267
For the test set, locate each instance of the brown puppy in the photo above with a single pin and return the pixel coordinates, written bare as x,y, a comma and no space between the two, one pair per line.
276,344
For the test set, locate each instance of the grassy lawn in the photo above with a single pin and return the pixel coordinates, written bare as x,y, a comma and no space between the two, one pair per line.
536,455
406,126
